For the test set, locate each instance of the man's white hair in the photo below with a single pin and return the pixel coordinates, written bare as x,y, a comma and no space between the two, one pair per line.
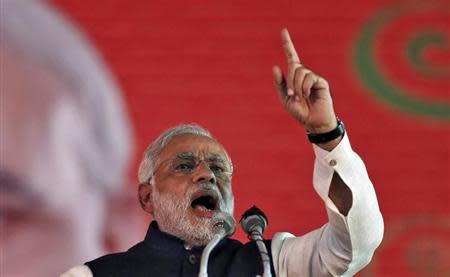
147,166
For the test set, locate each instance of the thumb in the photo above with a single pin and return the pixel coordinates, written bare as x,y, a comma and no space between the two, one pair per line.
280,83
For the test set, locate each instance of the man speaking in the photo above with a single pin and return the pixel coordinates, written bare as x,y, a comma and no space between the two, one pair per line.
185,178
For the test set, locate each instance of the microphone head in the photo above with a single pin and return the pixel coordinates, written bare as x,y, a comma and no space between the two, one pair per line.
224,222
254,220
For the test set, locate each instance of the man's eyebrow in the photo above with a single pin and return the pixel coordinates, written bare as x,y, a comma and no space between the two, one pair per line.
216,157
210,157
185,155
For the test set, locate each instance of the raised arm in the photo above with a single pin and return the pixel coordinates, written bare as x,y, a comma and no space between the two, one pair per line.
355,229
306,97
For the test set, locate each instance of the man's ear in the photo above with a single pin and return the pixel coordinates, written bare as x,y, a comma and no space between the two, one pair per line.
145,197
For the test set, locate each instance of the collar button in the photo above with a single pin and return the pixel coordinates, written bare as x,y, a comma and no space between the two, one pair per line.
192,259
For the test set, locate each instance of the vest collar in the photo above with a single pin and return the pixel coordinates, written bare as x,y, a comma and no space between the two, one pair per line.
166,243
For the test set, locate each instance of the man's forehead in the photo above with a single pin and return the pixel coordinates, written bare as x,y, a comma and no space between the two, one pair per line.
195,145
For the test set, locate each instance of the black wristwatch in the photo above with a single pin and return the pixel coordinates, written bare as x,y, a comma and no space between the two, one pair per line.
339,131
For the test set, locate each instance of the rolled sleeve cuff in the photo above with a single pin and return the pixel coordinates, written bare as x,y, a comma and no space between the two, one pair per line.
339,159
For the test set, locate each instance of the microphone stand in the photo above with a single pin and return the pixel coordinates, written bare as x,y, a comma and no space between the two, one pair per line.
254,222
224,225
207,251
265,258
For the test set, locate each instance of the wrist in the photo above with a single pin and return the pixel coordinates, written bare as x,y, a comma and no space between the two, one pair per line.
328,124
323,128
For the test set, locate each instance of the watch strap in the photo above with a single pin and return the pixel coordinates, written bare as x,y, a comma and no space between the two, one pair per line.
339,131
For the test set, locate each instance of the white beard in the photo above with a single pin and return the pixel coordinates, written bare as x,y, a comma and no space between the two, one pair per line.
172,216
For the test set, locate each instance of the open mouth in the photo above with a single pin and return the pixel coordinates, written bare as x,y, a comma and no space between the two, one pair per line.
204,203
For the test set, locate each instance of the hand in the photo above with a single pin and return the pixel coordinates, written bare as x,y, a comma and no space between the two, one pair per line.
304,94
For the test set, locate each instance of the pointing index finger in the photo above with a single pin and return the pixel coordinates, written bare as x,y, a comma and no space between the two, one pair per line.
288,47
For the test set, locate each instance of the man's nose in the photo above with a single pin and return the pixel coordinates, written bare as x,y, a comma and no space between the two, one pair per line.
203,174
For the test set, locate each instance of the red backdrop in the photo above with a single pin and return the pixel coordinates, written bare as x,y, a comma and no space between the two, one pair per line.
388,63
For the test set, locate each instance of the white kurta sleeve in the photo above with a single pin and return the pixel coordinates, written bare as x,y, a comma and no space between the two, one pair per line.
345,244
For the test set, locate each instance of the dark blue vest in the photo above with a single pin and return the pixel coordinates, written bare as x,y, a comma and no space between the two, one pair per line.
161,254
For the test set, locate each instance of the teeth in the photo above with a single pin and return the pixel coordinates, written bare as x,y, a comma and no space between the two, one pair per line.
202,208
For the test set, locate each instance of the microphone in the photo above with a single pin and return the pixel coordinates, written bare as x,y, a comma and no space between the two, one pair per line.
223,225
254,222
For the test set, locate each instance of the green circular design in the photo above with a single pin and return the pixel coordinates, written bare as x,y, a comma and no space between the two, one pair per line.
415,49
371,76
